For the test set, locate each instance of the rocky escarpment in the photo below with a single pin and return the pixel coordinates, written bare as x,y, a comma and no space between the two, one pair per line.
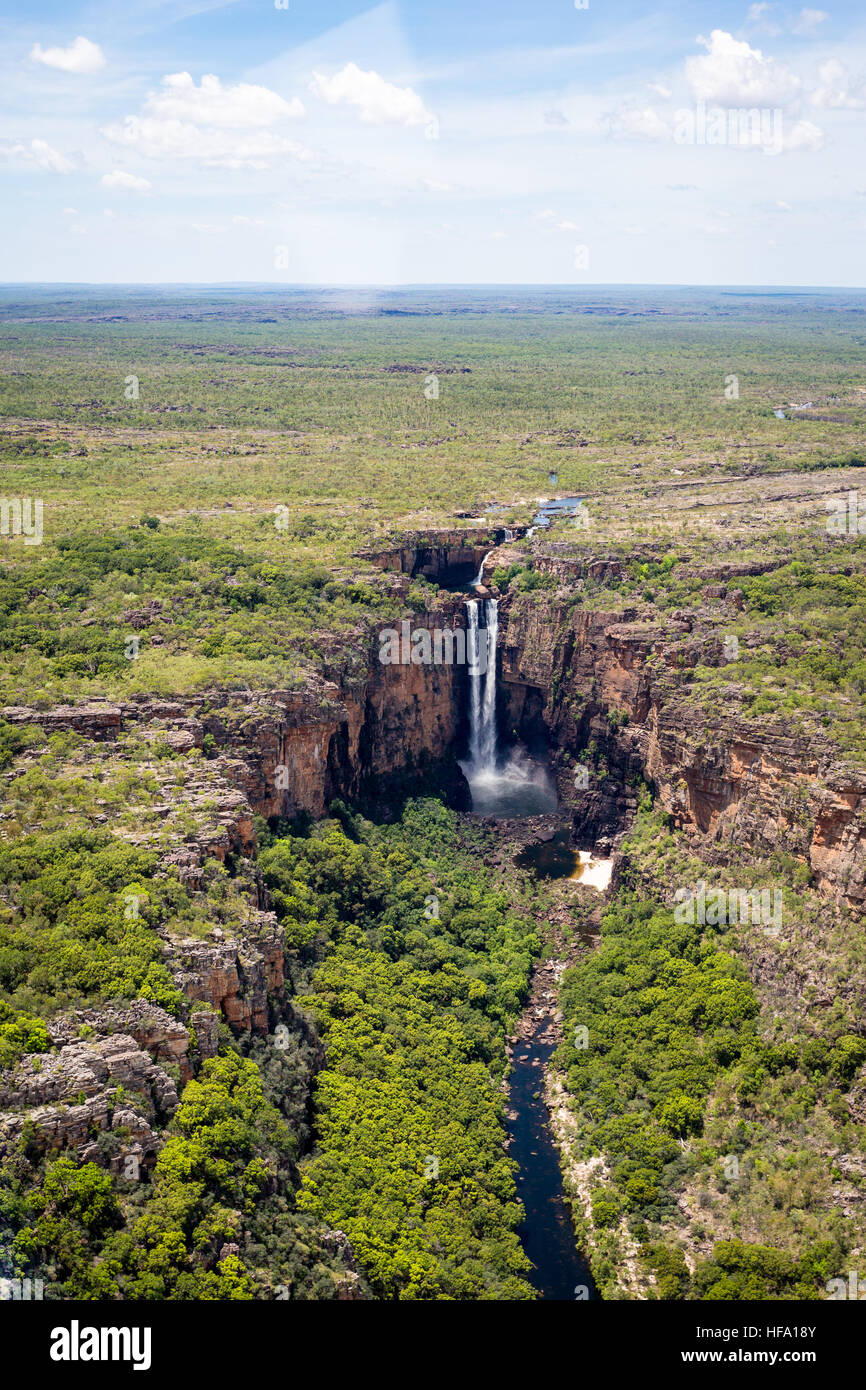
449,557
366,732
87,1089
69,1097
242,979
606,680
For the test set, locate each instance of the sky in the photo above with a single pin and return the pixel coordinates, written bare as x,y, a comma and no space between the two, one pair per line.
455,141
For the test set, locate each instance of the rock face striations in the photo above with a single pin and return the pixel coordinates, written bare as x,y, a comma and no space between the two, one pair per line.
595,680
604,680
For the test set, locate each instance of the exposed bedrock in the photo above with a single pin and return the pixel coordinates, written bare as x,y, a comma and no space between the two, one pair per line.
449,557
578,676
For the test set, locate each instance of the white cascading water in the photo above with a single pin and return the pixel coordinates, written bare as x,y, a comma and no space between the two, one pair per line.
482,683
487,735
522,786
473,639
478,581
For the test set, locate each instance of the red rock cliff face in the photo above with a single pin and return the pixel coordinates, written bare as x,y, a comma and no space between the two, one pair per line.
727,781
393,727
398,728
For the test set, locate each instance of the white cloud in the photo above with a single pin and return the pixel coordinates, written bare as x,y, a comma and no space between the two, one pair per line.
804,136
377,101
81,56
660,90
241,107
809,21
240,221
219,127
638,123
118,178
837,90
552,219
182,140
39,152
759,18
435,186
48,158
732,73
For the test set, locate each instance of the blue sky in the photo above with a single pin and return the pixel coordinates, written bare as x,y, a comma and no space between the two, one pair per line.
446,142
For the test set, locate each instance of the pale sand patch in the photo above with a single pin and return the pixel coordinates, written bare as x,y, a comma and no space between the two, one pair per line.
593,873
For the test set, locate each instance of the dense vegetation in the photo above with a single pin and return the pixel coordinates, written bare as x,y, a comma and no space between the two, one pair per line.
223,1176
142,610
676,1083
411,965
425,968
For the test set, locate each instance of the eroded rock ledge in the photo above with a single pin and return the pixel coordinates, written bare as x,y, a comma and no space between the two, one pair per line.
728,782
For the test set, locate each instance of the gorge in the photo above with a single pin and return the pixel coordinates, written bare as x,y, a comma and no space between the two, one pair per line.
576,709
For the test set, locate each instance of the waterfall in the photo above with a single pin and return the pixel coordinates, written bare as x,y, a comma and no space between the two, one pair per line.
482,684
473,647
478,581
502,785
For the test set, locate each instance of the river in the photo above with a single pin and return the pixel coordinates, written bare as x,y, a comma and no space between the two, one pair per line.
559,1270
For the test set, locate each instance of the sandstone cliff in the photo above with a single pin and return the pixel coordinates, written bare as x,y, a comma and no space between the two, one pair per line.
728,781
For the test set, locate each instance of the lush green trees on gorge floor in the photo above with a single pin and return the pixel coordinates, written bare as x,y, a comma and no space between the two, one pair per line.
412,966
424,969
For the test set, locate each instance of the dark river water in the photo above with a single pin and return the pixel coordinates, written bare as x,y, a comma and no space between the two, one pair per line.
559,1269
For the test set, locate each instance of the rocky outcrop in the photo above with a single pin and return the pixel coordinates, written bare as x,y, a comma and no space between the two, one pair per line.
66,1099
164,1038
621,685
237,978
449,557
